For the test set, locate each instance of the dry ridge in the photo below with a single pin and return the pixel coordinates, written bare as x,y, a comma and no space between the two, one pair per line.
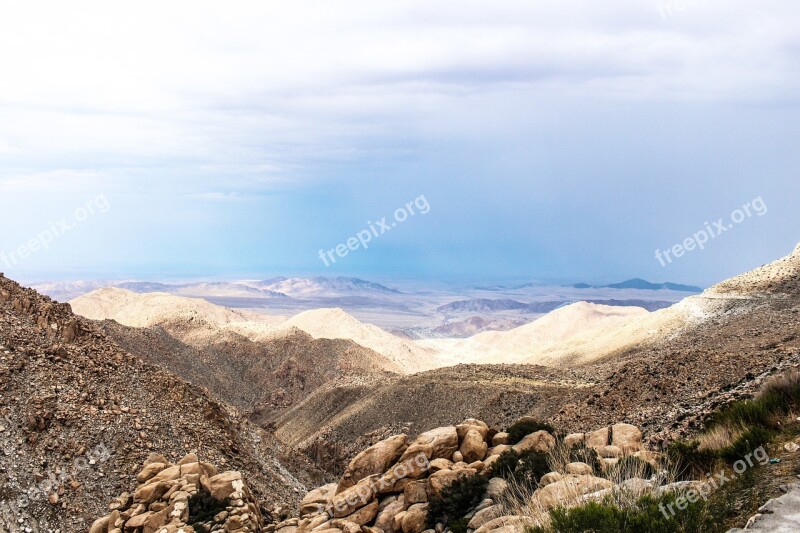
78,413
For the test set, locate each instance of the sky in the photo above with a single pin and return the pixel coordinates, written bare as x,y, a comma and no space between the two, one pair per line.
550,141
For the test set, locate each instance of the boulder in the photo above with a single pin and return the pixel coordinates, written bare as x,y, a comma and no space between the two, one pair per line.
387,514
497,488
374,460
472,424
488,462
227,485
598,438
442,443
501,438
540,441
574,439
473,447
500,449
550,477
350,500
443,478
485,515
415,492
415,518
609,452
318,499
440,464
627,437
569,489
578,469
365,515
505,524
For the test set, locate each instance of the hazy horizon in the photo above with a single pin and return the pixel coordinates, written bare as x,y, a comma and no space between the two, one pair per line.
564,143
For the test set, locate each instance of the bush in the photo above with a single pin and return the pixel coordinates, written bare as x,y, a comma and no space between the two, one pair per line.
690,462
645,515
455,501
203,507
522,428
525,469
779,395
745,444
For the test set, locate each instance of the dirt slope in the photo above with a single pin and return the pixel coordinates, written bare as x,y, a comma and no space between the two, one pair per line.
78,414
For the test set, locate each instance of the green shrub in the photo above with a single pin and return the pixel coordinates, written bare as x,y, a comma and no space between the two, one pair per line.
456,500
745,444
779,395
525,469
690,462
645,516
203,507
522,428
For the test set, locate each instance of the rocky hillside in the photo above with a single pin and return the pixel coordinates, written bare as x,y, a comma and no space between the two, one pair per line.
78,414
663,373
260,378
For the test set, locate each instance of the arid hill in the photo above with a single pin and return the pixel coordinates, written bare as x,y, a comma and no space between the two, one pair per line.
78,414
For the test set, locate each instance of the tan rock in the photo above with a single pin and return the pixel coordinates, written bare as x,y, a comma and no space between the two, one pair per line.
487,464
473,447
472,424
440,464
443,478
505,524
578,468
150,470
609,452
318,499
540,441
569,489
497,488
550,477
386,515
364,515
415,492
350,500
151,492
346,526
443,442
500,449
374,460
485,515
598,438
458,457
415,518
574,439
501,438
227,485
627,437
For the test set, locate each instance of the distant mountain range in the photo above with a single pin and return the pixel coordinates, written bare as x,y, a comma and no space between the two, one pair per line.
641,284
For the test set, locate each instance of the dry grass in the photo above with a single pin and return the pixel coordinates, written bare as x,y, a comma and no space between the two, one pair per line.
721,436
632,480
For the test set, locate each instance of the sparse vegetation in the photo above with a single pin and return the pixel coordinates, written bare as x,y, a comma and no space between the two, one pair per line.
203,507
524,427
455,501
644,515
525,469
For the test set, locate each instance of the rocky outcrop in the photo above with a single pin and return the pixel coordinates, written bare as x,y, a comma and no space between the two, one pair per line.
187,497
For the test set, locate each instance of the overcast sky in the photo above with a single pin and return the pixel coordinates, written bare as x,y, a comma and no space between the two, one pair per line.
551,140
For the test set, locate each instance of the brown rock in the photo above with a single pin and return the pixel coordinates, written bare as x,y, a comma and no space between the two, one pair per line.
374,460
473,447
415,518
540,441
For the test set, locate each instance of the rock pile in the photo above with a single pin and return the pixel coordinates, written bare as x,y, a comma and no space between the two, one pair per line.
187,497
387,487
